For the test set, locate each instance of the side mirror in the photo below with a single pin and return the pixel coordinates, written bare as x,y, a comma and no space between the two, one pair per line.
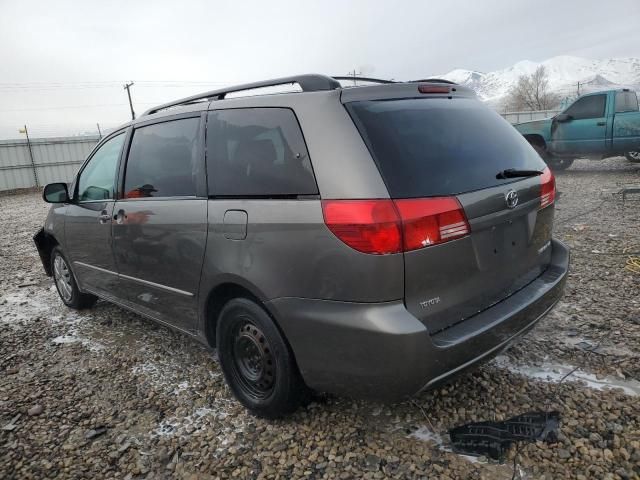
55,193
563,117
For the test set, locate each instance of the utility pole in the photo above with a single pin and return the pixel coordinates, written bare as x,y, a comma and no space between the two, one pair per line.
33,163
354,74
127,87
99,131
578,88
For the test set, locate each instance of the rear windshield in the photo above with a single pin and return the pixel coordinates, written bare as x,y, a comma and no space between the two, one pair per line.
439,146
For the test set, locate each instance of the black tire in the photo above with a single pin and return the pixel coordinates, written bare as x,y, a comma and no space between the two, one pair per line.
66,284
556,163
256,361
540,149
633,157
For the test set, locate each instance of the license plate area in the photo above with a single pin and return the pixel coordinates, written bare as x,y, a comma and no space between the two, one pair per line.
502,243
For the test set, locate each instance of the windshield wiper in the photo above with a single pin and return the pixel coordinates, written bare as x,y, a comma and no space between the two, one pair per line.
515,173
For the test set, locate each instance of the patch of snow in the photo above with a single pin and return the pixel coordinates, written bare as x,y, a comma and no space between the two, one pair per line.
162,376
426,435
65,339
19,307
423,433
555,372
183,426
182,386
73,337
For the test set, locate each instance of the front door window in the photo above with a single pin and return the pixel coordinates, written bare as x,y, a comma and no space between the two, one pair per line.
98,179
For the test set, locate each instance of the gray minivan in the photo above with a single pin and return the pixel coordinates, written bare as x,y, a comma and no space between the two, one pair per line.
369,241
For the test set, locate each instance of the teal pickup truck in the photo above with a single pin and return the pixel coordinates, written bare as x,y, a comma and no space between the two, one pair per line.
597,125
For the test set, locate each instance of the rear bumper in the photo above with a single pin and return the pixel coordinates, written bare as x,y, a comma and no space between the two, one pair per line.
381,351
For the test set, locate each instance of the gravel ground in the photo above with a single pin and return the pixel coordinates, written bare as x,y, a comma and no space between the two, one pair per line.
104,393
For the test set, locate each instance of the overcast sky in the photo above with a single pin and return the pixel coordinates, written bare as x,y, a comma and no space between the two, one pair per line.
63,63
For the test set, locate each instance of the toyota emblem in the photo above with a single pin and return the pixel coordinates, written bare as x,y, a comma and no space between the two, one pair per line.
511,197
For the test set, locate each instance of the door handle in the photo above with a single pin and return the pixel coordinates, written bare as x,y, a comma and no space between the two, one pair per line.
601,124
104,217
120,217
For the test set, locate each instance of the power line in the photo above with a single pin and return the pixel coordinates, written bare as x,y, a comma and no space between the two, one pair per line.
65,107
61,107
103,82
102,85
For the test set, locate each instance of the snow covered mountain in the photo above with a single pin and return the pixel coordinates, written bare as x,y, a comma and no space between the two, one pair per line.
564,74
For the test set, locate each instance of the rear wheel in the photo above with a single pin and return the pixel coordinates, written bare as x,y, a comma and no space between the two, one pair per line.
66,283
256,361
633,156
540,149
556,163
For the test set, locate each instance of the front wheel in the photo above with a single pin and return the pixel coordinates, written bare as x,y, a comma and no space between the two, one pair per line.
66,283
633,157
556,163
256,361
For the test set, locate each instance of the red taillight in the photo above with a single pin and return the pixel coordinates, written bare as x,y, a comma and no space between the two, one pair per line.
433,89
369,226
547,188
428,221
388,226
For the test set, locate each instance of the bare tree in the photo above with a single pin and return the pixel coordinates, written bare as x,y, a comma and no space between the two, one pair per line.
532,92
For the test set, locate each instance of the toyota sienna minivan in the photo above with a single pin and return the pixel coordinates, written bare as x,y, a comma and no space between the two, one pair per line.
369,241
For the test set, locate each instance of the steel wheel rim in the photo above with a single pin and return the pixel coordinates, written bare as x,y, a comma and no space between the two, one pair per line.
254,366
62,276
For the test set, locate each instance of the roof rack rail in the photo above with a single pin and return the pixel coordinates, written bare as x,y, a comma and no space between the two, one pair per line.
363,79
433,80
308,83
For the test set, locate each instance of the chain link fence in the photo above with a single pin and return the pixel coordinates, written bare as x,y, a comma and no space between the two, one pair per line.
519,117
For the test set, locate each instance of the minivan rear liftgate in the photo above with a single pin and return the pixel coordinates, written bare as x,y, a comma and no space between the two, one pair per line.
473,200
505,249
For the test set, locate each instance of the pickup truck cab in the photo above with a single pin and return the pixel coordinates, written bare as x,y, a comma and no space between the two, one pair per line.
597,125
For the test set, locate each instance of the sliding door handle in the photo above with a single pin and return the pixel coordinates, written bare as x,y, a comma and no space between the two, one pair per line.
120,217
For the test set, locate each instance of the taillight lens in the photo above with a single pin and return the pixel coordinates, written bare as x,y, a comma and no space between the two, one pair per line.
428,221
369,226
393,226
547,188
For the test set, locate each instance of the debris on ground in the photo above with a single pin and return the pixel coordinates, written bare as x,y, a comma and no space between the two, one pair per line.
494,439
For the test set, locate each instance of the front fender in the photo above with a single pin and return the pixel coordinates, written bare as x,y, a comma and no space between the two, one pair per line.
51,234
540,128
43,244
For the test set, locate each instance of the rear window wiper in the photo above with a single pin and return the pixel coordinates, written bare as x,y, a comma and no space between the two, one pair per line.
515,173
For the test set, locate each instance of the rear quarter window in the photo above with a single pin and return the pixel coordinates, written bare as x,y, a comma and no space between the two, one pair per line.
626,102
257,152
438,146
